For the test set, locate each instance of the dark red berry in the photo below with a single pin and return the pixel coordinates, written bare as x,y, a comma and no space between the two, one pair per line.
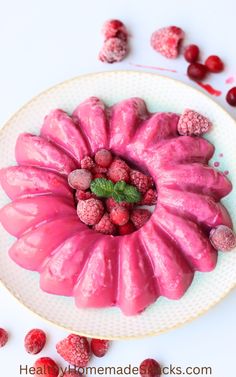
47,367
197,71
191,53
214,64
99,347
35,341
126,228
150,368
3,337
231,96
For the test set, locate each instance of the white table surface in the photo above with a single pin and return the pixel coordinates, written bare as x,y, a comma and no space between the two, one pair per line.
45,42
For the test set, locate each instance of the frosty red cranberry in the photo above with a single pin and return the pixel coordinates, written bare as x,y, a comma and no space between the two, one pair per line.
197,71
214,64
35,341
231,97
150,368
80,179
103,158
191,53
90,211
223,238
99,347
46,367
119,215
3,337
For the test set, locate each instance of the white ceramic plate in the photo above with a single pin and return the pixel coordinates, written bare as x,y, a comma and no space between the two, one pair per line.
161,94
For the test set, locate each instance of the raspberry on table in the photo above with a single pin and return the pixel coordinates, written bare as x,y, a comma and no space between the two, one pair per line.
140,180
87,163
119,215
139,216
149,198
90,211
3,337
105,225
80,179
34,341
126,228
193,123
114,29
167,41
113,50
75,350
103,158
223,238
150,368
48,367
99,347
118,171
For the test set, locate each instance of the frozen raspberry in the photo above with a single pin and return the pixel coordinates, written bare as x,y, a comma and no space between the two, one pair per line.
139,180
150,368
113,50
114,29
126,229
90,211
99,347
119,215
214,64
111,203
118,171
167,41
87,163
105,225
191,53
193,123
75,350
139,217
197,71
83,195
3,337
35,341
223,238
103,158
231,97
80,179
47,367
149,198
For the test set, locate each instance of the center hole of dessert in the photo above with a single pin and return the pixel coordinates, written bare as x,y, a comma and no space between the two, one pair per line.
110,195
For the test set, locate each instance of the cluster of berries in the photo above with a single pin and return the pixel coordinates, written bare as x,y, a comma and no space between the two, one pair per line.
115,46
75,350
167,41
103,212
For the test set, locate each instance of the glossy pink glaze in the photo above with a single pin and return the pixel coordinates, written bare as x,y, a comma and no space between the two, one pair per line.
129,271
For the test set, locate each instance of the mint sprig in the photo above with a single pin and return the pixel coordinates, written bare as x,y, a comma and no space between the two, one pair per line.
120,191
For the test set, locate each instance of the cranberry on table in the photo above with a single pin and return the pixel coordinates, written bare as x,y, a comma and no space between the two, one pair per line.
3,337
150,368
197,71
99,347
35,341
191,53
231,96
47,367
214,64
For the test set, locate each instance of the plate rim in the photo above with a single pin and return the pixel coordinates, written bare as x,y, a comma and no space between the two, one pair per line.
92,75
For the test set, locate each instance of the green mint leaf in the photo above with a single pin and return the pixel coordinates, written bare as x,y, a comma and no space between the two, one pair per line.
120,186
118,197
102,187
132,195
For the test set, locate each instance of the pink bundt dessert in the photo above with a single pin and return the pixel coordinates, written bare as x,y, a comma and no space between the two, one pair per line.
101,270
